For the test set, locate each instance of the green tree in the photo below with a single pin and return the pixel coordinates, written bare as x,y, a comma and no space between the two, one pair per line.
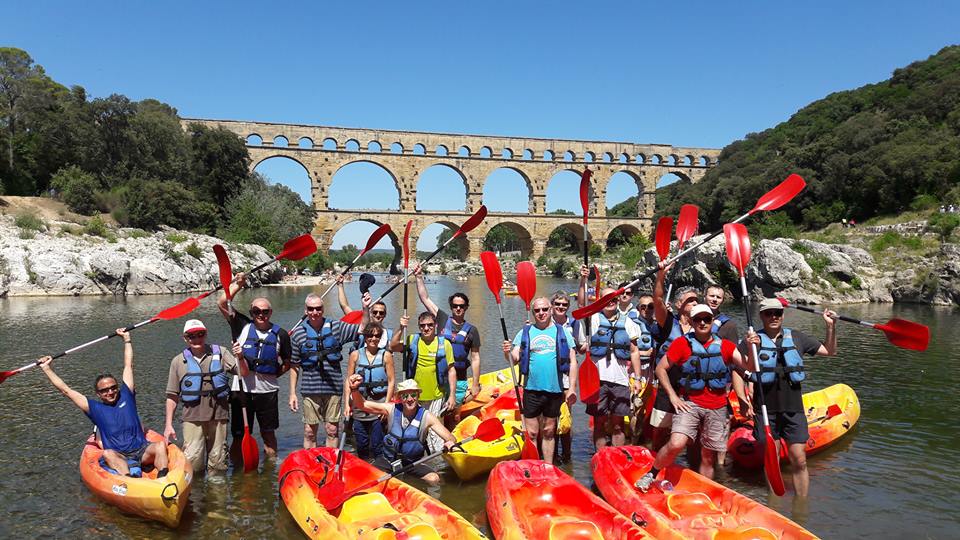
455,249
265,214
219,162
77,189
151,203
501,238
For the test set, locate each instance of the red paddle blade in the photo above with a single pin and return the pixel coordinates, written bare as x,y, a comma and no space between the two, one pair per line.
687,223
780,195
597,306
738,245
490,429
7,374
354,317
406,245
250,451
664,230
472,223
298,248
178,310
589,379
526,281
585,193
783,301
833,410
375,237
906,334
493,273
771,464
226,272
529,448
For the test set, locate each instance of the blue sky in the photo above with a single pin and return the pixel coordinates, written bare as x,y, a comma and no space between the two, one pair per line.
684,73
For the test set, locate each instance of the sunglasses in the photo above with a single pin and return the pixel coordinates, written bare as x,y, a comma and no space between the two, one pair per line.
626,293
255,312
108,389
408,395
541,310
427,325
195,335
374,336
561,304
703,320
459,306
378,313
773,312
309,308
645,306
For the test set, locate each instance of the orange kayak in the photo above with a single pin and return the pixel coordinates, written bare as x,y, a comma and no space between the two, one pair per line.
491,386
390,510
696,507
533,500
159,499
831,413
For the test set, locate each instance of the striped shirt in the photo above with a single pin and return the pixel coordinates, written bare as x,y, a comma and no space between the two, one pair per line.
328,378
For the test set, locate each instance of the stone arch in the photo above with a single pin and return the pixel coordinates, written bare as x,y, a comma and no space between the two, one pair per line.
588,157
563,192
305,142
620,194
528,154
360,240
672,176
461,244
624,158
486,152
703,161
329,143
524,239
254,139
463,151
359,172
499,176
351,145
569,155
374,147
687,160
438,178
548,155
567,237
621,234
506,153
656,159
607,157
396,148
441,150
288,171
281,141
673,159
640,158
419,149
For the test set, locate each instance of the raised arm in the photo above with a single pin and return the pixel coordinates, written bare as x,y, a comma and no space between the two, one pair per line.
238,283
829,346
342,296
659,305
77,398
422,291
358,403
582,289
127,359
396,342
391,376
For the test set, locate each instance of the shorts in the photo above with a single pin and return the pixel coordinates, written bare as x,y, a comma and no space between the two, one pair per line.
712,425
537,403
462,387
134,457
419,471
260,408
661,419
789,426
317,407
614,400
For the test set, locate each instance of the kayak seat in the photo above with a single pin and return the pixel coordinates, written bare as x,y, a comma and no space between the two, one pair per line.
135,470
364,506
745,533
685,505
422,531
574,530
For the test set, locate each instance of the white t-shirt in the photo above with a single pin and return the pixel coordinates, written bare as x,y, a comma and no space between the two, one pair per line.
611,368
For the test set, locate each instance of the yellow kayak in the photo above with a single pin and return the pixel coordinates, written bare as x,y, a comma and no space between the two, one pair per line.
478,457
491,386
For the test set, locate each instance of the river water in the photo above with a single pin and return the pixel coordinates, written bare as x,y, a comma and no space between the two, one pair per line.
894,476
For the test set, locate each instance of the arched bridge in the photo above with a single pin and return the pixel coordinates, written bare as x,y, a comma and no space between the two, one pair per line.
324,150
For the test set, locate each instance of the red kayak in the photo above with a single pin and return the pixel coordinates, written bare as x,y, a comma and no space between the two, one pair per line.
533,500
694,507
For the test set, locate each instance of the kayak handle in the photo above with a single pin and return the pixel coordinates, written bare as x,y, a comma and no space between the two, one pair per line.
170,498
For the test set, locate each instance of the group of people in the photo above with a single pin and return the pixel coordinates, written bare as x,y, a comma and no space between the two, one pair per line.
690,351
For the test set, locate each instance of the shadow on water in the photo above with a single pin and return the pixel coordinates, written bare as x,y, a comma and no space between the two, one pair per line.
894,476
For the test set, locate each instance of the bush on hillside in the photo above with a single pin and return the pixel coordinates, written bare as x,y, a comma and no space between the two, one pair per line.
77,189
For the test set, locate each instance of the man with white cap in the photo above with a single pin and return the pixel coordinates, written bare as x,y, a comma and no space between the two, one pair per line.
200,379
407,426
781,352
704,361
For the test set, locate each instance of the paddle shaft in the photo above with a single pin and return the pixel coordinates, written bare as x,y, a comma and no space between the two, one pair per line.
840,317
406,278
345,270
509,357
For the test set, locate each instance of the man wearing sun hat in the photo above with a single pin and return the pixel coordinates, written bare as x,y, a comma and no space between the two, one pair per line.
406,428
704,360
199,378
781,352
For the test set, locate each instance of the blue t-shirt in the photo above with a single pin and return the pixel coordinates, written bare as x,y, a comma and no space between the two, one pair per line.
543,358
118,424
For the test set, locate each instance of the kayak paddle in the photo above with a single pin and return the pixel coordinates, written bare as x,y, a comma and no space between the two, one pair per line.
226,272
170,313
293,250
832,411
406,273
662,236
467,226
780,195
494,275
371,242
687,224
738,253
588,379
526,282
585,204
249,448
488,430
901,332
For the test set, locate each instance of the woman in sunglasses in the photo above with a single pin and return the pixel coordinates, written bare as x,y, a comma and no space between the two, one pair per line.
375,366
119,429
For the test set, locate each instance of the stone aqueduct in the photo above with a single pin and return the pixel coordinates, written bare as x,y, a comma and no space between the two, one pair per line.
324,150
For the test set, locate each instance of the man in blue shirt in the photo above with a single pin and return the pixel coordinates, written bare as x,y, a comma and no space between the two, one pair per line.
547,356
115,415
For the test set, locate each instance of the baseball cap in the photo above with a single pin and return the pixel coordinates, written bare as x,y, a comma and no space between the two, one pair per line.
193,324
770,303
700,309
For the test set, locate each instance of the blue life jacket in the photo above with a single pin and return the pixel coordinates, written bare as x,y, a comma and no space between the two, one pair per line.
315,345
191,385
460,342
719,321
705,367
374,385
675,332
610,336
563,354
410,360
645,341
783,362
263,355
404,444
359,345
